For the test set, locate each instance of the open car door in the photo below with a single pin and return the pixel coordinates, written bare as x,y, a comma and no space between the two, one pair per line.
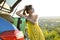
8,5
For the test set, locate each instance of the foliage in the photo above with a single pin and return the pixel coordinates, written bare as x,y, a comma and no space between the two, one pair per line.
51,32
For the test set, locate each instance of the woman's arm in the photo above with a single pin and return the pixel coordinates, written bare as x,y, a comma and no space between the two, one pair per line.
21,15
19,12
25,17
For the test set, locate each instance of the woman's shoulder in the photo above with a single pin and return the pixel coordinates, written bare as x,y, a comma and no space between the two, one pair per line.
35,15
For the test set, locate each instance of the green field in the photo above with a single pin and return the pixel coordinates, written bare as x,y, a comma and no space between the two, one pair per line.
50,28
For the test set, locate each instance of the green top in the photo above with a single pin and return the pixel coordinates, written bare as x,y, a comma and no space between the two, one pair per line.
23,24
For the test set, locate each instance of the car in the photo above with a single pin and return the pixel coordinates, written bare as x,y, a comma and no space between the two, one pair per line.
9,32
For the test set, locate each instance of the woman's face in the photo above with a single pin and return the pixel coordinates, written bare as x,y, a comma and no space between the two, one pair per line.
31,11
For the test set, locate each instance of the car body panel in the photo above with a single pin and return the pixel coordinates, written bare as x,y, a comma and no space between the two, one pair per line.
9,31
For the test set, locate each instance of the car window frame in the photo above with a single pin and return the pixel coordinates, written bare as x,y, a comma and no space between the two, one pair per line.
12,8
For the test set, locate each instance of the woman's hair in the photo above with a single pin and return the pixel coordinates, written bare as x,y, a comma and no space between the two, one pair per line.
27,8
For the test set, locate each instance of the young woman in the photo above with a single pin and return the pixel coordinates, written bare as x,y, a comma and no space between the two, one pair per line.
34,31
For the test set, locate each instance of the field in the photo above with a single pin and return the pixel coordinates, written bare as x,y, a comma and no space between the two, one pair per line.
50,28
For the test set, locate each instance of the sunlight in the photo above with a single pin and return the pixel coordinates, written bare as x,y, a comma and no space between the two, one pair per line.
43,8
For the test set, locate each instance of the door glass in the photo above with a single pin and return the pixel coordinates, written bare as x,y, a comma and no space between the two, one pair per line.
9,5
11,2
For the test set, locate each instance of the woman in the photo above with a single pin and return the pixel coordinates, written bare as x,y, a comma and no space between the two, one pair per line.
34,31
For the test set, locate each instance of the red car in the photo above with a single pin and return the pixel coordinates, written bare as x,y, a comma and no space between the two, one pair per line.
9,31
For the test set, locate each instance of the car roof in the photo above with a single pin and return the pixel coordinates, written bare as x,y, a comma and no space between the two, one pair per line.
6,26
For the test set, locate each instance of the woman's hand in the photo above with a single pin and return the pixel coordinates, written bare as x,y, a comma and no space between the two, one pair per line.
19,12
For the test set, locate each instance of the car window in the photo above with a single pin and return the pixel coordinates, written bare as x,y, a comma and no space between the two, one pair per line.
8,5
11,2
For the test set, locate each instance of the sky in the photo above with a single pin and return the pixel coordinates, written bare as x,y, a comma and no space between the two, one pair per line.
43,8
